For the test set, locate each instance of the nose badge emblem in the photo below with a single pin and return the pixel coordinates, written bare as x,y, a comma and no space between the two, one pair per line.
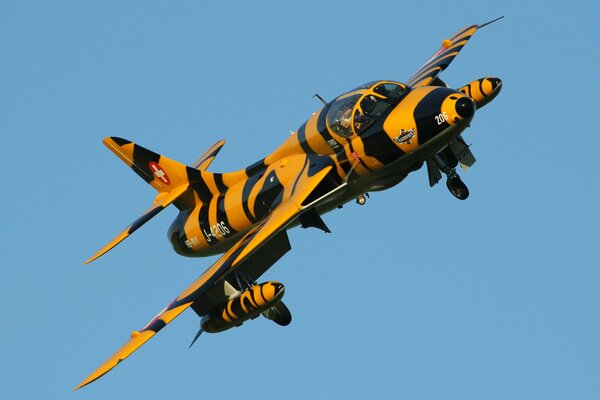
405,137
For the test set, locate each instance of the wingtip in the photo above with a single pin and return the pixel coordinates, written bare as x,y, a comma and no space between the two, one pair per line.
88,380
89,260
92,258
83,383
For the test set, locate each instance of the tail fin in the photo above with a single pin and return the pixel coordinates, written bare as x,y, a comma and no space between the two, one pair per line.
162,173
170,178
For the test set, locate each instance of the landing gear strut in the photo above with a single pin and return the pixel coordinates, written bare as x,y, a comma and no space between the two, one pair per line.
455,185
242,281
362,199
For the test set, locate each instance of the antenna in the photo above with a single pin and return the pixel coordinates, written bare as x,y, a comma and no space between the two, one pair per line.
320,98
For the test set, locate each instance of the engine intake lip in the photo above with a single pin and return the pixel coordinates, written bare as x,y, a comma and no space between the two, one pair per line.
465,107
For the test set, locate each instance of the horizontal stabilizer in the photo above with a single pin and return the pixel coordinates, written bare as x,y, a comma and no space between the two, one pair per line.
160,203
209,155
170,178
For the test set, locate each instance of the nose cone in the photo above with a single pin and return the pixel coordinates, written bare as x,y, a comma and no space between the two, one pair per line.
465,107
495,82
270,291
278,287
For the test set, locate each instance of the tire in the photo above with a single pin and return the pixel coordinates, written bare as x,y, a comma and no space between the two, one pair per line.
457,187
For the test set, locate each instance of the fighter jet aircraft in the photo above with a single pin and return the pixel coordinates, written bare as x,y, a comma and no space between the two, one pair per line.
367,139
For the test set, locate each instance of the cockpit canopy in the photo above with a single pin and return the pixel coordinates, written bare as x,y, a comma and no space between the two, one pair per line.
353,112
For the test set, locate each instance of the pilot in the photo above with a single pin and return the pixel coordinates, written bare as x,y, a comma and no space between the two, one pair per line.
368,104
345,118
390,90
362,120
382,90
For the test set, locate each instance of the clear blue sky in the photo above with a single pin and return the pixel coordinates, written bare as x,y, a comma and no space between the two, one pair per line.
415,295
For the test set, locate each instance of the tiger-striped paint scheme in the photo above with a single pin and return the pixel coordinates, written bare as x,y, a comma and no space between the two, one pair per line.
483,90
367,139
247,305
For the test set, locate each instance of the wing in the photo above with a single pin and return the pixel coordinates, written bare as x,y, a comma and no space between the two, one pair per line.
260,234
444,56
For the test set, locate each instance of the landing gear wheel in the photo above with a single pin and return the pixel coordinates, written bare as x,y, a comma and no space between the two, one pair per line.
453,182
457,187
362,199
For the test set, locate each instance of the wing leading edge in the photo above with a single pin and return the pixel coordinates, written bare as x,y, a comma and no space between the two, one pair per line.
260,234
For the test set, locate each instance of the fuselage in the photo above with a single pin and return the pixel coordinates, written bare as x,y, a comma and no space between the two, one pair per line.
372,136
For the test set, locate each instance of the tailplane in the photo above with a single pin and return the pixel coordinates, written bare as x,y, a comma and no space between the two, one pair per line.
171,179
209,155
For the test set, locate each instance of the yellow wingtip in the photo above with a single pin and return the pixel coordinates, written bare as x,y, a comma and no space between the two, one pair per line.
87,381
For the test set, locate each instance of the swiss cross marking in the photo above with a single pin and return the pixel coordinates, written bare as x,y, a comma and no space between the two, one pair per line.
159,172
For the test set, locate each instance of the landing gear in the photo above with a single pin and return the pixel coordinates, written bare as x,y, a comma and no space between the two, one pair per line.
242,281
362,199
455,185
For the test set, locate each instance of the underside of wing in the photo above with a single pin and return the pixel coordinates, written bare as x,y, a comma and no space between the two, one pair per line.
228,261
254,239
444,56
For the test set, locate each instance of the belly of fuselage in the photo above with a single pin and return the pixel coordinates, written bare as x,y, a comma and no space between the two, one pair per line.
212,228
